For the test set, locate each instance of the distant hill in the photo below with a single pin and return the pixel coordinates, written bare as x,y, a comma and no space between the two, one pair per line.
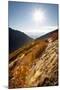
17,39
53,34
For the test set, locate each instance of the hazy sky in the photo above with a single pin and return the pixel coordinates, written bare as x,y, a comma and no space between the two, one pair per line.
21,17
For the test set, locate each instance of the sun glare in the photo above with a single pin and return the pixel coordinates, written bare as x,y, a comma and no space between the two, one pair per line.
38,15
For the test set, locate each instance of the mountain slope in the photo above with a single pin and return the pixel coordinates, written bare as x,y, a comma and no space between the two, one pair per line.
36,65
17,39
53,34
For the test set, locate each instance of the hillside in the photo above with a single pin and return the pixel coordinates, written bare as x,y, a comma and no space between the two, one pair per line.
53,35
36,64
17,39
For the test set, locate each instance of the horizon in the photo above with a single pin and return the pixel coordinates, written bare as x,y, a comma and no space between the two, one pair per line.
34,35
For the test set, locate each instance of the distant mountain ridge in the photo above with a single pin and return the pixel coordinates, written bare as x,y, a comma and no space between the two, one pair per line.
53,34
17,39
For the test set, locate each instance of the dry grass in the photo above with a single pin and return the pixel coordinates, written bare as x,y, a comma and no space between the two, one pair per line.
36,66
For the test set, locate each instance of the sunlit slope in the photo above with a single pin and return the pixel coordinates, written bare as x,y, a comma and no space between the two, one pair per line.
45,71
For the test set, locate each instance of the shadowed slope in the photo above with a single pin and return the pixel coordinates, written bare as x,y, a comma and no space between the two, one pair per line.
17,39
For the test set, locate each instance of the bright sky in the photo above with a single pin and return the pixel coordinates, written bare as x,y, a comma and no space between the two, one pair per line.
33,18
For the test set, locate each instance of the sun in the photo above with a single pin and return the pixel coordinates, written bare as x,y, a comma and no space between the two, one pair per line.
38,15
